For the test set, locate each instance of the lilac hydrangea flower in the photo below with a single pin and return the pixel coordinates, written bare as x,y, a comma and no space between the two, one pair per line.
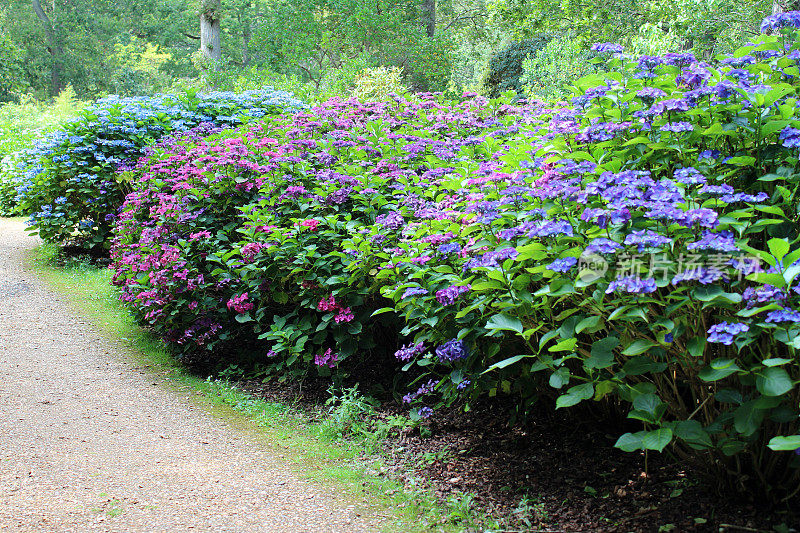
329,358
724,332
789,19
423,390
408,352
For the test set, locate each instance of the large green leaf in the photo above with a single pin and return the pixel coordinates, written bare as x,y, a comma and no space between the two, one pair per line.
575,395
602,353
503,321
657,439
773,381
787,444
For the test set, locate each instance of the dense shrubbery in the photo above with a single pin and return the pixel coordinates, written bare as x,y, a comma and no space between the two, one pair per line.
21,124
505,71
70,185
637,249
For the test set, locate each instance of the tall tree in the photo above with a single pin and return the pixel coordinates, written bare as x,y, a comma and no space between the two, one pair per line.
54,48
210,46
429,16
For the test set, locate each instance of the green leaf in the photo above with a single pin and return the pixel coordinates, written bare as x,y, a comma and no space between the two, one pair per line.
693,433
747,418
602,353
566,345
638,347
242,318
630,442
696,346
719,369
503,321
657,439
784,444
575,395
641,365
775,361
773,381
506,362
559,378
778,247
649,403
590,322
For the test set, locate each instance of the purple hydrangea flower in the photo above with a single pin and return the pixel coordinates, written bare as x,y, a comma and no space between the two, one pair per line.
646,239
744,197
452,350
449,248
790,137
721,242
717,189
632,284
650,93
414,291
562,265
724,332
677,127
789,19
689,176
424,389
602,245
425,412
329,358
763,294
449,295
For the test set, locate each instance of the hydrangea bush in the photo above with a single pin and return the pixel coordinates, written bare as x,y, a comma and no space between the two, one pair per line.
635,247
70,183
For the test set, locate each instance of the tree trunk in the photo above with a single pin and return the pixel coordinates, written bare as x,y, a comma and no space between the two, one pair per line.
53,46
209,31
429,16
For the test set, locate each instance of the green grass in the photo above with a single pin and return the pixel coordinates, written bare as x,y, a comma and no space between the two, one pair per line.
345,467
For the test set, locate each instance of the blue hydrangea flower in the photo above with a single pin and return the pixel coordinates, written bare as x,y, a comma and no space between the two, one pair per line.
602,245
724,332
783,315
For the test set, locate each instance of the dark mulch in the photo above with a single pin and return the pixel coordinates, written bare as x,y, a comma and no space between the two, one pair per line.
556,473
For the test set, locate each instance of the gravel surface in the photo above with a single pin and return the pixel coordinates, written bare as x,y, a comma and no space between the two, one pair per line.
88,443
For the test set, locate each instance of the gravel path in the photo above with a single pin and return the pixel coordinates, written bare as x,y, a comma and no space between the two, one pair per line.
88,443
